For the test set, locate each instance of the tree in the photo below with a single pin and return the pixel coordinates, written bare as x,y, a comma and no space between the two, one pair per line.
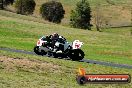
1,4
52,11
98,20
25,6
81,16
4,3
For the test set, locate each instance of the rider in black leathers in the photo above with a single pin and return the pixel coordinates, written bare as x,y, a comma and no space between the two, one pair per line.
52,39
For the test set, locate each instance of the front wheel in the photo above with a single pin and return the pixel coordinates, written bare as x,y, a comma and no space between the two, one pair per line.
76,54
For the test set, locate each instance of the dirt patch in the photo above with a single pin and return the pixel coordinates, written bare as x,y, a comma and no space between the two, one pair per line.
26,64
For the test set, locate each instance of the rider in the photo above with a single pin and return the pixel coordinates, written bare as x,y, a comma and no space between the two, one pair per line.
57,38
48,39
52,39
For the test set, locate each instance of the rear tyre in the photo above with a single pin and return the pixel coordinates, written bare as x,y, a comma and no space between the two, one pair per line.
76,55
43,52
38,52
55,55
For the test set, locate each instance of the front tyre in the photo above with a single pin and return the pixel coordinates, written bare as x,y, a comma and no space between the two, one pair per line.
76,55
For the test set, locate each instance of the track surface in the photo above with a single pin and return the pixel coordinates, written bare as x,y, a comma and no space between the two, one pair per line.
84,60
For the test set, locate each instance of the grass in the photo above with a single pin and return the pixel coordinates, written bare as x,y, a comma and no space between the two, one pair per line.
120,15
29,71
29,18
24,71
103,46
126,31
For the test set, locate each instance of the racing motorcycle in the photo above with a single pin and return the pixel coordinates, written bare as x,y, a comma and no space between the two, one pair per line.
62,48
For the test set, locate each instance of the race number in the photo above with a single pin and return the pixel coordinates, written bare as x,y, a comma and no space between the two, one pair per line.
77,44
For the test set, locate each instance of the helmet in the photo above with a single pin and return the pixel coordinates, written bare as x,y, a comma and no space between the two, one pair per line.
55,34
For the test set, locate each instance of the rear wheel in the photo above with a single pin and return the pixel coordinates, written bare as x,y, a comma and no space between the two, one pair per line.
39,52
55,55
76,55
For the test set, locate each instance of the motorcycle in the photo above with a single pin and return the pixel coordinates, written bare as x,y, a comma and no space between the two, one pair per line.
62,48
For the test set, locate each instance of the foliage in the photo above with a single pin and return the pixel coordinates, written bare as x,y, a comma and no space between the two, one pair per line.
52,11
81,16
4,3
25,6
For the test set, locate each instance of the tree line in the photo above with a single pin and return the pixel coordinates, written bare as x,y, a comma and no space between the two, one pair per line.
53,11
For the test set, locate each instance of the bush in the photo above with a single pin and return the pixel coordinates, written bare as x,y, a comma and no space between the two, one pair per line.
7,2
52,11
25,6
81,16
1,4
4,3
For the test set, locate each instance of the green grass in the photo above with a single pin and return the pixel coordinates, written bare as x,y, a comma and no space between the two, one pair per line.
122,31
29,71
24,71
103,46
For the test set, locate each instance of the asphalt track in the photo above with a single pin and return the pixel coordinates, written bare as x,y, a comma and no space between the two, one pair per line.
84,60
